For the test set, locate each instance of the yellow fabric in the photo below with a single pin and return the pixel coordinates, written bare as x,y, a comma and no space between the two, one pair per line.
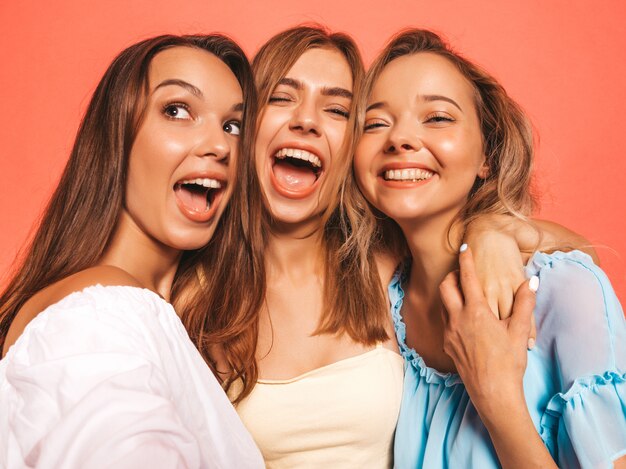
340,415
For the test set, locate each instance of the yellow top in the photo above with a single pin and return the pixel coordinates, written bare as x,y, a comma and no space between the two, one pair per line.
340,415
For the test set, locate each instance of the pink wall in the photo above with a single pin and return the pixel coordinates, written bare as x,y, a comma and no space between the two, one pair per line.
562,60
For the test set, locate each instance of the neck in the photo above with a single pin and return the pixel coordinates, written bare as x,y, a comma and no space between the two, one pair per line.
152,263
294,253
434,247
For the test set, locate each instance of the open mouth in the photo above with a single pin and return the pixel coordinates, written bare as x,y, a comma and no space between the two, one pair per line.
407,175
296,170
199,197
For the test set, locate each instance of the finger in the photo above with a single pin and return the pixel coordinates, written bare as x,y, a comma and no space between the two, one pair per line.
470,285
532,339
492,301
505,303
451,296
525,298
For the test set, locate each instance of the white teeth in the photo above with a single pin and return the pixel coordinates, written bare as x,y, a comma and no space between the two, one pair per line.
409,174
300,155
206,182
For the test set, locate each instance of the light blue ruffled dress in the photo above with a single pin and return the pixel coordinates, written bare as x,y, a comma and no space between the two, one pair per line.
575,382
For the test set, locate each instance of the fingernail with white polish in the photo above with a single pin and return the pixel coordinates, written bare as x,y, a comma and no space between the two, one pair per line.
533,283
531,343
463,247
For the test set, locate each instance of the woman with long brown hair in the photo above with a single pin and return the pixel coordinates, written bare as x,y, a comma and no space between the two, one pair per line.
98,370
444,144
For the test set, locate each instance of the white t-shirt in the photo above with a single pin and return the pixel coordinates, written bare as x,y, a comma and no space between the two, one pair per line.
108,377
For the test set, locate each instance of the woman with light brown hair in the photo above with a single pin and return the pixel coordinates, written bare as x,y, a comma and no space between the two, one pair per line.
98,370
443,145
315,351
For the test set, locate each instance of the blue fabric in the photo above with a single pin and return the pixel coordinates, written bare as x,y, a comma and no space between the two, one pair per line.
575,384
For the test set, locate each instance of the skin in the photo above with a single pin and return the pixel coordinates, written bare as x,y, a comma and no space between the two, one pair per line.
190,130
307,110
421,114
306,116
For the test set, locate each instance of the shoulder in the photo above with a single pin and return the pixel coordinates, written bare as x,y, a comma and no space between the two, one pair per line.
85,292
572,282
580,320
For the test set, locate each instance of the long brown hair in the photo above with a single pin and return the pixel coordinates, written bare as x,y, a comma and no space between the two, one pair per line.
78,223
506,133
352,292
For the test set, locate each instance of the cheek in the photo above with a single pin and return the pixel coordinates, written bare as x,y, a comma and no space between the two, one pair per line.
363,171
336,133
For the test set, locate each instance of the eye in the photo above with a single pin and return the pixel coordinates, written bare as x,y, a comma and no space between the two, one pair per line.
438,118
232,127
176,111
373,124
278,98
340,111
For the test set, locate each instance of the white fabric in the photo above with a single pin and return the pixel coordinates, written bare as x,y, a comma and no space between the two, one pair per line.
108,377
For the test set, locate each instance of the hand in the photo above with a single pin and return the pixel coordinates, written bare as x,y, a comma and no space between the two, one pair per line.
499,263
490,354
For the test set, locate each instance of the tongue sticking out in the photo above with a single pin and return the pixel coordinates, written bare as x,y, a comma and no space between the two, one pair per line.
193,196
294,177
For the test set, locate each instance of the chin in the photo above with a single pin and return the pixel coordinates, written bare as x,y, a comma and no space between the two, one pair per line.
191,239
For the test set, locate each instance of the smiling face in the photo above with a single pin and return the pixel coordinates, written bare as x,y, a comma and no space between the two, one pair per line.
301,134
178,170
422,148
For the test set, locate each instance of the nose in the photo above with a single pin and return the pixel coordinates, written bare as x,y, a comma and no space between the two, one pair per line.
213,142
403,137
305,119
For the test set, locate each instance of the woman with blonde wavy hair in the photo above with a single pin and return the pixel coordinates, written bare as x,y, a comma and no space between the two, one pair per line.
443,145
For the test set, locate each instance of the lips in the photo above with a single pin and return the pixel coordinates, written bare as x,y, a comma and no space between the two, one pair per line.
198,198
295,171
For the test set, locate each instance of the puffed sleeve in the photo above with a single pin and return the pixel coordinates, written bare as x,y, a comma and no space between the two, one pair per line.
581,328
86,390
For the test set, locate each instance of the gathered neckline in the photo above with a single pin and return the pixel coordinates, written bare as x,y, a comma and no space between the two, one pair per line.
323,368
396,298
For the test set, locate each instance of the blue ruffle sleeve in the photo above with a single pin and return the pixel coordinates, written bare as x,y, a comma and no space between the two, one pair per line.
582,334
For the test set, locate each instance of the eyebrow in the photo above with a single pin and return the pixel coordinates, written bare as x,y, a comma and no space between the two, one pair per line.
326,91
427,97
183,84
193,90
377,105
437,97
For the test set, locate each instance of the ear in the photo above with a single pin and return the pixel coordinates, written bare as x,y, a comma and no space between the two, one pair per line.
483,171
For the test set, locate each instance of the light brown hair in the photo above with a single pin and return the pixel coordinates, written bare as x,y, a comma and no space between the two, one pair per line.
80,218
506,133
353,295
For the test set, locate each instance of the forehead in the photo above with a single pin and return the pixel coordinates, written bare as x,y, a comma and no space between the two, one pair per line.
424,73
195,66
322,67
